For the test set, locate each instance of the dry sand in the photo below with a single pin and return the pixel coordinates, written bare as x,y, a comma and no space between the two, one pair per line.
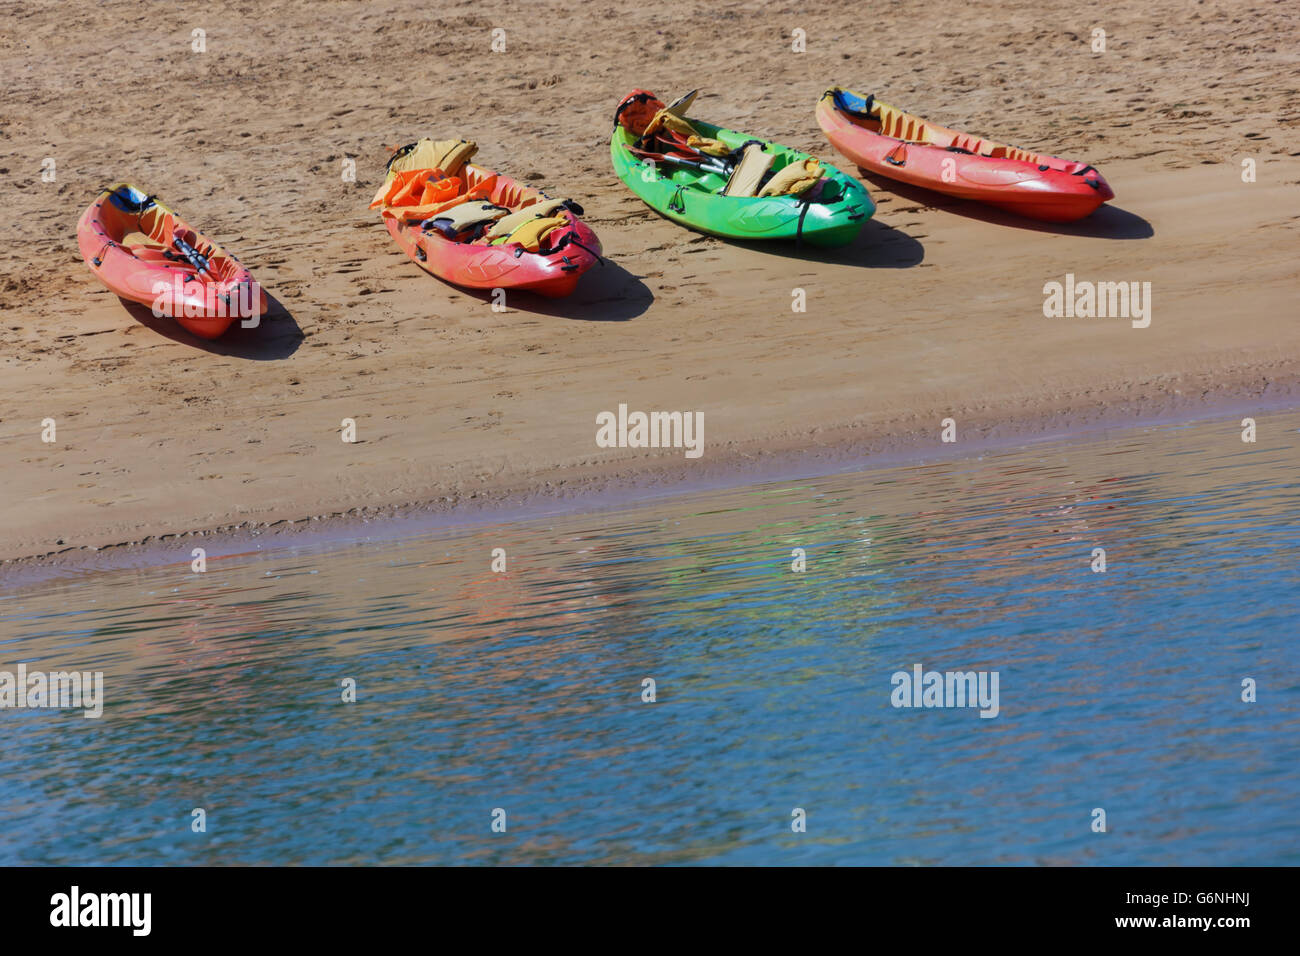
936,311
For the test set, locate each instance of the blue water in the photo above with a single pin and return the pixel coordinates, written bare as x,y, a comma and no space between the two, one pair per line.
522,691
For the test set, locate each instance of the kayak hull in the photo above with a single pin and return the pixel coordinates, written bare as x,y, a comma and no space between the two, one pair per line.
125,238
506,266
1041,187
693,201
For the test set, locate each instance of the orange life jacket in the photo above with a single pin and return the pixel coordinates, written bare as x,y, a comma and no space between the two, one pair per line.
422,187
636,110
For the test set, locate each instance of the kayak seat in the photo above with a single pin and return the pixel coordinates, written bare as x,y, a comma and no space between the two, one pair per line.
793,179
854,105
749,172
508,224
465,217
141,244
531,232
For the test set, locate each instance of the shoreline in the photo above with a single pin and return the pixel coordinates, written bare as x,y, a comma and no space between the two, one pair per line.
620,490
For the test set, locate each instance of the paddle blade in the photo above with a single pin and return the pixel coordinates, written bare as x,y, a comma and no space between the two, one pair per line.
679,106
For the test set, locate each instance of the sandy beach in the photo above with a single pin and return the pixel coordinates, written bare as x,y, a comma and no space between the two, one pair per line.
935,312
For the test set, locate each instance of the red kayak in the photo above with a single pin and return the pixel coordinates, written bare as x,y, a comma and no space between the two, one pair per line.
898,145
478,229
145,253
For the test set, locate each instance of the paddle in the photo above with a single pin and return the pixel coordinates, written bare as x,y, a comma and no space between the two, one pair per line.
679,106
191,254
704,166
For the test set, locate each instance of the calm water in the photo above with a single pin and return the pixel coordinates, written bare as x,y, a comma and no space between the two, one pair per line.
523,691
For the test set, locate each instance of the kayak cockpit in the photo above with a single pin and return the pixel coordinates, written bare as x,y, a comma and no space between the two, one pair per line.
691,153
432,186
139,225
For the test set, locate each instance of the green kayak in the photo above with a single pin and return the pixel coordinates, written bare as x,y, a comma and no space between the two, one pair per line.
716,183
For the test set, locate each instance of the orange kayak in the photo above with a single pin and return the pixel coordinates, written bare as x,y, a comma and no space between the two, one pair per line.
898,145
476,228
145,253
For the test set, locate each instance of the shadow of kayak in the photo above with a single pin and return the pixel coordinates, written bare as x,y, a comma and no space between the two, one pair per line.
605,293
878,246
1108,222
277,336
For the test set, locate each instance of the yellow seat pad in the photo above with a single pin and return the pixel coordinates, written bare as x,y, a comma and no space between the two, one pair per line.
530,233
467,214
794,179
503,227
